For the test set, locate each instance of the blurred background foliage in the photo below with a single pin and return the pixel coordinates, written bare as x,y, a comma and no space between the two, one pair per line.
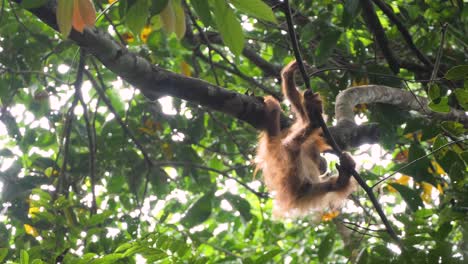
169,181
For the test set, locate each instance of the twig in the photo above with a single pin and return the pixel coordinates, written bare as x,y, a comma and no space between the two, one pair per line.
228,133
117,117
249,79
234,69
128,132
67,129
295,44
104,13
422,157
439,54
201,167
91,138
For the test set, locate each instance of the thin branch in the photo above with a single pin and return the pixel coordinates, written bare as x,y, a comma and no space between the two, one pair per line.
5,69
111,22
240,74
228,133
295,44
67,129
222,173
117,117
234,70
418,159
439,53
91,138
403,30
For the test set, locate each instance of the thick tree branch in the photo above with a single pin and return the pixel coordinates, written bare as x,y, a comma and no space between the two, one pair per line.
154,82
347,99
373,23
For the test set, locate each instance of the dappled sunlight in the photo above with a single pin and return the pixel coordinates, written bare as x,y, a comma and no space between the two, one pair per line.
167,106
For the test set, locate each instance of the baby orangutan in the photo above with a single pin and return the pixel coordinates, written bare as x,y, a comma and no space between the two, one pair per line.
290,159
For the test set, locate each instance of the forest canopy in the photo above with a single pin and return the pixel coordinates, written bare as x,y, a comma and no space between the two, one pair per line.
128,129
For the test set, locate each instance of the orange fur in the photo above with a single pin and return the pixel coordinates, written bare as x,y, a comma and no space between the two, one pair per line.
290,158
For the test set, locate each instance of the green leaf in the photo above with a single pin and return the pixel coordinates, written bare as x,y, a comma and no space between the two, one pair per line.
351,9
256,8
462,98
157,6
24,257
410,196
179,19
136,16
108,259
229,26
116,101
464,156
159,181
198,212
434,92
327,44
203,10
441,107
64,16
29,4
424,213
123,247
326,247
168,18
268,256
459,72
454,128
444,231
241,205
3,253
99,218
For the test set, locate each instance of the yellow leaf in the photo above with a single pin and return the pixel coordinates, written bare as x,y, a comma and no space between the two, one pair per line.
440,188
362,81
128,37
64,16
391,189
427,190
33,210
145,33
179,20
330,216
411,135
438,169
403,180
168,18
185,68
30,230
111,1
